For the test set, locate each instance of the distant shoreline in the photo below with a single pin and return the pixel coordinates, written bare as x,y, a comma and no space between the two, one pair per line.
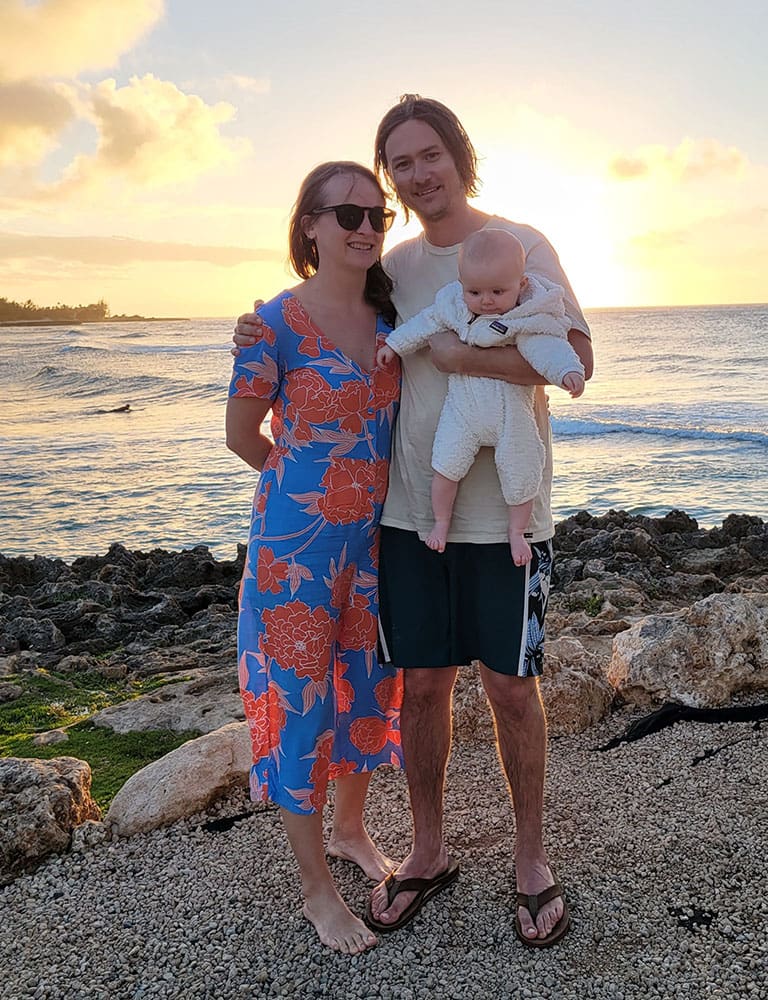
82,322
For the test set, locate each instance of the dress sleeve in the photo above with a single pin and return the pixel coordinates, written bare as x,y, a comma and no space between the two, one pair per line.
257,370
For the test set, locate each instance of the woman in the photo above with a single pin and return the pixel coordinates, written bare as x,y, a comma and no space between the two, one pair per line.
319,705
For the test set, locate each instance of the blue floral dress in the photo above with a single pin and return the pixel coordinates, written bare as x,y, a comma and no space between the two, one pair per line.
318,702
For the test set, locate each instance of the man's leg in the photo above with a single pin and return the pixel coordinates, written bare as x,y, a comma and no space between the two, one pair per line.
521,732
425,727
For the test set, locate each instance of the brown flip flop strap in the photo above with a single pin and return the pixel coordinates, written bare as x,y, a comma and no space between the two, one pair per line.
395,885
535,901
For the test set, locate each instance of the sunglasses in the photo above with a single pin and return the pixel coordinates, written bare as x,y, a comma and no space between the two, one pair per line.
350,217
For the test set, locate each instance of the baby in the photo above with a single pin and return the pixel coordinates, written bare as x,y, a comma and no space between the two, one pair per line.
494,303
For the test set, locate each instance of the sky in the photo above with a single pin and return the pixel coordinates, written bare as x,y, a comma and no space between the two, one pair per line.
150,151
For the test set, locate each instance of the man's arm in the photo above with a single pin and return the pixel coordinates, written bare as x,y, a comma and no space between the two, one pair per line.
451,356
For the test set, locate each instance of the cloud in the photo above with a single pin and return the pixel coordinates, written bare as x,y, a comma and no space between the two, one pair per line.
250,84
691,160
627,167
117,252
718,236
150,133
66,37
31,117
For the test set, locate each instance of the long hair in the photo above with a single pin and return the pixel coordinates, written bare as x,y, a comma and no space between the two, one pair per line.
302,251
447,126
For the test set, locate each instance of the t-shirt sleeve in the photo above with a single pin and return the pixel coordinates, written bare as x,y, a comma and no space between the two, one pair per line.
257,370
543,260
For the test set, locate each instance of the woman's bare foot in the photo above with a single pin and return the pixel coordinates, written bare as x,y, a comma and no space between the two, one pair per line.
437,537
521,550
361,851
336,926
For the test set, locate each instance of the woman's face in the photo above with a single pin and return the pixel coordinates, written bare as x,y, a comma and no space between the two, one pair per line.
357,248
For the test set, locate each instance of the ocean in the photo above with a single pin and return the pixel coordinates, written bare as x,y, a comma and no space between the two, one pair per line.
675,416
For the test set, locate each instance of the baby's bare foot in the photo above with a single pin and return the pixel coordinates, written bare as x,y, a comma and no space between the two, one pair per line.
437,537
521,550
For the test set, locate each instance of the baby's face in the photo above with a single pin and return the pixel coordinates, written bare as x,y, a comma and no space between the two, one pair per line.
490,286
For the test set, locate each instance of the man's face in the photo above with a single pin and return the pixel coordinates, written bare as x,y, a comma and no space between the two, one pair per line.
423,171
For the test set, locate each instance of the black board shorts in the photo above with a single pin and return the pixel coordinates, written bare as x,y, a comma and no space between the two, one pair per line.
445,609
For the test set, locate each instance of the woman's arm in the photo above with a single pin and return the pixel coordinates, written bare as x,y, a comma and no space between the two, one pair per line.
245,415
453,357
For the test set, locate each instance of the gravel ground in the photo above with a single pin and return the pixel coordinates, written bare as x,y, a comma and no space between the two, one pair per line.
661,844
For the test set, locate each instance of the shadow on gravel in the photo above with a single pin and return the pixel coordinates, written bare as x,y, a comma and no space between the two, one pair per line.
672,712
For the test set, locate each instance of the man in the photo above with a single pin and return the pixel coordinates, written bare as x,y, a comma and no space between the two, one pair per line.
443,610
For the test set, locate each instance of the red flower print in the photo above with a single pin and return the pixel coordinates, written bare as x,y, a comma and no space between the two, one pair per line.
258,387
266,720
324,746
341,769
359,629
299,638
318,774
386,385
341,586
349,488
297,318
309,401
389,692
349,406
345,693
380,479
369,735
263,494
270,572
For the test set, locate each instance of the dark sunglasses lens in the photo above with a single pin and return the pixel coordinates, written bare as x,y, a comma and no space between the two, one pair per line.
350,217
378,219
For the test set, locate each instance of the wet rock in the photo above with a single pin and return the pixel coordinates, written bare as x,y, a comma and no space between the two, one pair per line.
30,633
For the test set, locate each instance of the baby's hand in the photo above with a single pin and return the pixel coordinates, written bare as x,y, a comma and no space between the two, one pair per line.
385,356
574,383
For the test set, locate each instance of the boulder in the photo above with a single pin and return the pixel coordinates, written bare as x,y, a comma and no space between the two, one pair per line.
185,781
700,656
574,690
41,801
9,692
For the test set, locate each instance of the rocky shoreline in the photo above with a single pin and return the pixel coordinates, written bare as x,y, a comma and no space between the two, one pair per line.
643,612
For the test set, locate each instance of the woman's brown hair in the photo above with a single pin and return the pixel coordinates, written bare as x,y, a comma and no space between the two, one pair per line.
302,250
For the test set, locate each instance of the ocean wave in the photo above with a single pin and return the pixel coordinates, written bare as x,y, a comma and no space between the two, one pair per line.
136,388
569,427
81,349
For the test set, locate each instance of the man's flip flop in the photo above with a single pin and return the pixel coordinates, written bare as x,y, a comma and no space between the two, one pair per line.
424,888
533,903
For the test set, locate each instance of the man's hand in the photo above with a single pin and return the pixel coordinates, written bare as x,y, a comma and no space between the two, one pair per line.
447,352
573,383
248,329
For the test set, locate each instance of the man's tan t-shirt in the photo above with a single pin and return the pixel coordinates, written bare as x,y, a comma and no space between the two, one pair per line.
419,270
